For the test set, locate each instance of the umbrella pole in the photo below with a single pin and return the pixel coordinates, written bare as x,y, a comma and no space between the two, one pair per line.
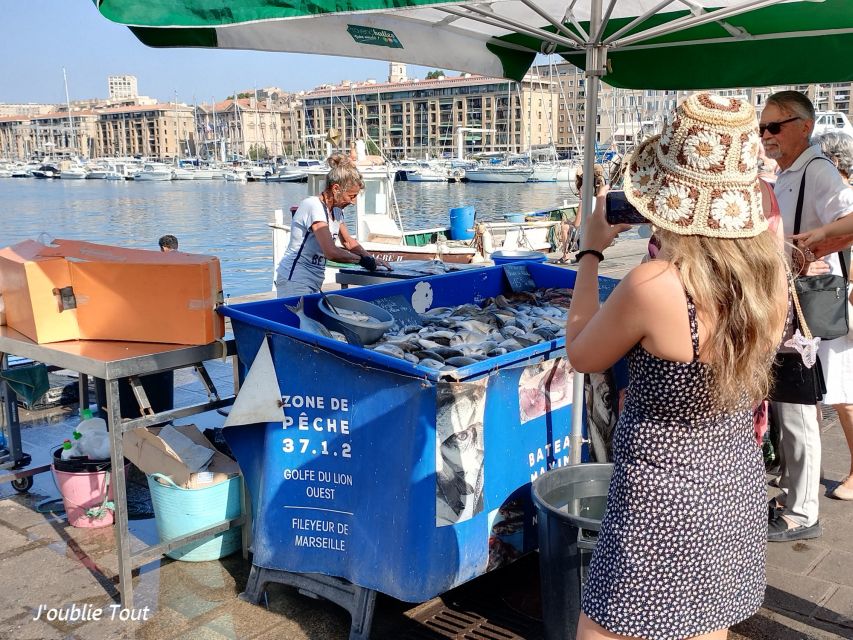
596,58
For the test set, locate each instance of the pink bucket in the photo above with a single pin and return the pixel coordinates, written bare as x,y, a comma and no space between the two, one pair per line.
82,491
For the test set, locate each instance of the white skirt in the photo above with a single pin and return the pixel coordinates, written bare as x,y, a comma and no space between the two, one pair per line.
836,357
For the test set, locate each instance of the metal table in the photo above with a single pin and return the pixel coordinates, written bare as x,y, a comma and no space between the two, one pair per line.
402,271
111,362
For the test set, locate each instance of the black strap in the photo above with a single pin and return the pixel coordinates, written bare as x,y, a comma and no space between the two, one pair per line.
799,212
694,325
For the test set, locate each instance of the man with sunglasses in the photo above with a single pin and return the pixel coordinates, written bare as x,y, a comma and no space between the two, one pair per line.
786,126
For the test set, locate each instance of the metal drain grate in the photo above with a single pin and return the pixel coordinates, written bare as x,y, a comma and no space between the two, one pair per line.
480,621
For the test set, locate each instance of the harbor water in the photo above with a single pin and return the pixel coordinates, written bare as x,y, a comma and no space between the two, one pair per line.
225,219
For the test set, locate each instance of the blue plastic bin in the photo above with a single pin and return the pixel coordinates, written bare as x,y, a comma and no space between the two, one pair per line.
179,511
363,481
462,223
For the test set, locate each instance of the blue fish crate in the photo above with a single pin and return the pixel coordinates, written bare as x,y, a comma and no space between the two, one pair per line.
397,477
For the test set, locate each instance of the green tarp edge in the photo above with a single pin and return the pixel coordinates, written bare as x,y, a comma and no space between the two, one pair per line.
213,13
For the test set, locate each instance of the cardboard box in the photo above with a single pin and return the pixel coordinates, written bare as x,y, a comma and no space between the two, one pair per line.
148,452
80,290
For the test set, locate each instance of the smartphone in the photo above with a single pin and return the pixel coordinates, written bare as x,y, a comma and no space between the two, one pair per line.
619,211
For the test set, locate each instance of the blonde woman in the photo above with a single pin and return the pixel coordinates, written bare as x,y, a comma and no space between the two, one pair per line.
681,552
315,229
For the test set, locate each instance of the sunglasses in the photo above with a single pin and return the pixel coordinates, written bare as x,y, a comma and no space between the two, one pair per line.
775,127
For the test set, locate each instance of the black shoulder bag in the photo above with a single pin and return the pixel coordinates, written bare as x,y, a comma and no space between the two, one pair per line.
823,298
793,381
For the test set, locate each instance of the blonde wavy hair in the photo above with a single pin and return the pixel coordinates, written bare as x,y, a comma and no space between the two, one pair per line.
735,284
343,172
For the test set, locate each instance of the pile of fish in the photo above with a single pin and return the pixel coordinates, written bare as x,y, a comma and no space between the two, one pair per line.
450,337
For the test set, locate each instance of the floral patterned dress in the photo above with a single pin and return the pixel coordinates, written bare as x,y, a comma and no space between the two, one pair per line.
681,550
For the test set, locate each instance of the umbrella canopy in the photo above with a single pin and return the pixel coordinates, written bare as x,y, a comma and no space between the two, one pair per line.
650,44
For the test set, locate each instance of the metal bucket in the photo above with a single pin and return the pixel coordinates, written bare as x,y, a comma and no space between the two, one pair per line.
570,503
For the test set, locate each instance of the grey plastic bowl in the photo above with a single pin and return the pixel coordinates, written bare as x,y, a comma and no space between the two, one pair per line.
367,332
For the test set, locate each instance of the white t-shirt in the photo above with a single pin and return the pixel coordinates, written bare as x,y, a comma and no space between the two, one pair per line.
304,261
826,197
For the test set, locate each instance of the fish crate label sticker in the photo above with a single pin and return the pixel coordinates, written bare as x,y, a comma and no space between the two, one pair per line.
544,387
422,297
317,448
376,37
519,277
459,451
403,312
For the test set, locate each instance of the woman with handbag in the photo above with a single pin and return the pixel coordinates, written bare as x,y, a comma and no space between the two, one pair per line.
681,551
828,239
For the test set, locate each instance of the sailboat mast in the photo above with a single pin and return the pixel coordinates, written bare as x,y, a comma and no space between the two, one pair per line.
177,133
73,142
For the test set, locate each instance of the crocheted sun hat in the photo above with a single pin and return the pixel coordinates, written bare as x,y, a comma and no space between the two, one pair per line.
700,176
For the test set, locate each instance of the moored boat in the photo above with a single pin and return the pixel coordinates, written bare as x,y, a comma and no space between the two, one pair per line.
499,174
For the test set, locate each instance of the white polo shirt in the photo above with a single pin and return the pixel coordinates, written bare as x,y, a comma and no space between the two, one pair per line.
826,197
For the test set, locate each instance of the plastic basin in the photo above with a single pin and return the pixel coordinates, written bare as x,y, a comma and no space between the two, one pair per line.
179,511
505,257
367,331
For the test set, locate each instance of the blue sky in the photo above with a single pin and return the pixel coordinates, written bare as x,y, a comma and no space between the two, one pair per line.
40,37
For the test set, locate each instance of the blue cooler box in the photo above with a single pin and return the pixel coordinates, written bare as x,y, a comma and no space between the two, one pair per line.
399,478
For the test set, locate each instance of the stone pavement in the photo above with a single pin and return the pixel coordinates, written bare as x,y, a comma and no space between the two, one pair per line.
46,563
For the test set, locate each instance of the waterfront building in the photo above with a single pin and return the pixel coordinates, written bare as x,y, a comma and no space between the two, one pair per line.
416,118
163,131
121,87
25,109
49,135
240,129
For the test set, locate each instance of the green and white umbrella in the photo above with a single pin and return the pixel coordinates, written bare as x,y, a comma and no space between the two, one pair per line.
650,44
643,44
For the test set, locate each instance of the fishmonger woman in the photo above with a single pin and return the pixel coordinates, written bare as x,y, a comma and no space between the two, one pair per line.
316,226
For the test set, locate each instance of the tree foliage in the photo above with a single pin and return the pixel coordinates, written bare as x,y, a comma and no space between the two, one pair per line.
435,74
258,152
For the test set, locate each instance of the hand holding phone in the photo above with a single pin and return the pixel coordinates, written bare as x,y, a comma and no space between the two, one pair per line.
619,211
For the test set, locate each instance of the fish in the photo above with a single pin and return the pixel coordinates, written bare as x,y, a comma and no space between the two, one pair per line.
391,349
429,355
452,337
307,324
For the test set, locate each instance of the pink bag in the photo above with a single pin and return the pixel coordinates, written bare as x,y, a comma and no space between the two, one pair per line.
759,421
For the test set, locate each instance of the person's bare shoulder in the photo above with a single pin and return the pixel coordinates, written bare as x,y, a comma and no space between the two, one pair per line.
651,284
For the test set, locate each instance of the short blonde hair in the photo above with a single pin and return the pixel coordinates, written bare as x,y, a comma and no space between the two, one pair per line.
343,172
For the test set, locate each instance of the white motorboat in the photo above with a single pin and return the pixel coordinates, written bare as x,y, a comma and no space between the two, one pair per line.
155,172
179,173
426,171
74,173
235,176
499,173
48,171
832,121
295,171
